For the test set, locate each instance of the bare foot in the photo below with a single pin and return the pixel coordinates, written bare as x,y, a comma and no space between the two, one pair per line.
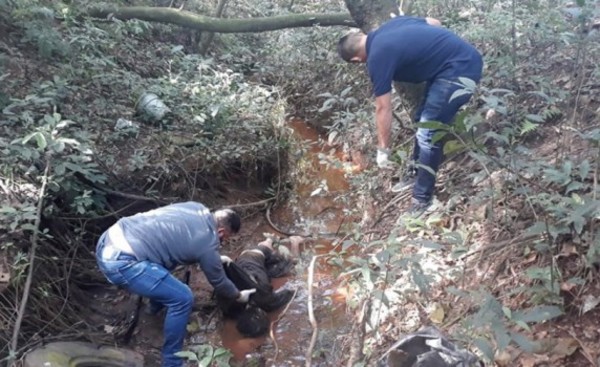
295,242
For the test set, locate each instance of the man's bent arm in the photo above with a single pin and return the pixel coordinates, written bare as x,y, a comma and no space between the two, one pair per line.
383,119
210,263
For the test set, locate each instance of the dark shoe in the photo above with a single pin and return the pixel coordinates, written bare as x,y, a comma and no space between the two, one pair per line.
418,208
407,180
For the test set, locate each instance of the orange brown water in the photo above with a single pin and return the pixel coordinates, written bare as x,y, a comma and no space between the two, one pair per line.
335,178
310,214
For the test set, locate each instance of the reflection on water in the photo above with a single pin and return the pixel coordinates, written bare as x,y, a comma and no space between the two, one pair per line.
318,213
237,343
291,329
334,177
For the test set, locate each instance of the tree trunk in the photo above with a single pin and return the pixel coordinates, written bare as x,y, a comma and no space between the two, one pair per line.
369,14
210,24
206,39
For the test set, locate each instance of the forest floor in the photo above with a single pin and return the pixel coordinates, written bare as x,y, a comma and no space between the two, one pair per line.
498,255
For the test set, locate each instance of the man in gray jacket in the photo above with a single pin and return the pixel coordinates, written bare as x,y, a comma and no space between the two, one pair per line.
138,252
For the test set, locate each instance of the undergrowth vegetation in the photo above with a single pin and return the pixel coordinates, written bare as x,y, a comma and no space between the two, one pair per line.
514,242
76,125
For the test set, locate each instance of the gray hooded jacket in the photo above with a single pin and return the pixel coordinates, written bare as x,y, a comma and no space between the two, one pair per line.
179,234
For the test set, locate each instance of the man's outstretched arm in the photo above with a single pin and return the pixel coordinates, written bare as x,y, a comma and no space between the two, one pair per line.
383,120
383,123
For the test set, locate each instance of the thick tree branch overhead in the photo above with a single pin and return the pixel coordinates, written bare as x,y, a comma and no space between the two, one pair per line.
219,25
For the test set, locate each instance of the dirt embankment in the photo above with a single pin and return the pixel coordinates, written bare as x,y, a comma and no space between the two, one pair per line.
516,229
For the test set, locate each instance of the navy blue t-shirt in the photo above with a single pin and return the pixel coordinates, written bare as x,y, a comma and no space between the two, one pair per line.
407,49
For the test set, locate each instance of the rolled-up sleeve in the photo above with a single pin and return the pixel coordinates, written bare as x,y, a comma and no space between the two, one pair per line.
210,263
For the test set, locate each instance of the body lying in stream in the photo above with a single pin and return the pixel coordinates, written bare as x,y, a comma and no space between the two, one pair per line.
254,268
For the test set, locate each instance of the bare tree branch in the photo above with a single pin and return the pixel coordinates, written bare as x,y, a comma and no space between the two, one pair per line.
195,21
34,243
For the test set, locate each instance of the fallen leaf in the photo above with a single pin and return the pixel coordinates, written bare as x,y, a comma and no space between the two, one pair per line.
565,347
316,192
568,250
590,332
193,327
490,114
436,313
532,257
542,334
507,357
503,359
589,303
528,361
533,360
567,286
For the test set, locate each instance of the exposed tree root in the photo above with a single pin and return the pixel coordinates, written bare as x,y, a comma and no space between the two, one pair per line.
268,216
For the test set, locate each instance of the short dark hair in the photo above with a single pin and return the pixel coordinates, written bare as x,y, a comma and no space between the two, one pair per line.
349,45
229,220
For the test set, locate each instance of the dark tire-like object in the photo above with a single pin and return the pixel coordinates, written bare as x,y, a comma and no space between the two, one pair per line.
79,354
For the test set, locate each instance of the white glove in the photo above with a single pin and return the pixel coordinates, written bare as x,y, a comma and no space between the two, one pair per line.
244,296
383,158
225,260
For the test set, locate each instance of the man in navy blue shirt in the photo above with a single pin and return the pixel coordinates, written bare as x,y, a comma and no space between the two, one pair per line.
138,252
415,50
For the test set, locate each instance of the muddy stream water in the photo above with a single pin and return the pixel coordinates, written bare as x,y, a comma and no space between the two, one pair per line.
313,214
309,210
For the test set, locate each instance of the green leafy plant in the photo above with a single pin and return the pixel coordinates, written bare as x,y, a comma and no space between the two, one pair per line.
494,326
206,355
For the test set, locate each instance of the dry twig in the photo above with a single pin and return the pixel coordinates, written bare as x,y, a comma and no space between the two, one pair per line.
271,334
584,350
358,334
256,203
28,281
513,241
311,313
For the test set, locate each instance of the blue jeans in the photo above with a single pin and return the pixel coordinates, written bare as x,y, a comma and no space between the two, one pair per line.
156,283
436,106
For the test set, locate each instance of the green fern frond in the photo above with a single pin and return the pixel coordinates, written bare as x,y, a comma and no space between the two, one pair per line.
528,127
